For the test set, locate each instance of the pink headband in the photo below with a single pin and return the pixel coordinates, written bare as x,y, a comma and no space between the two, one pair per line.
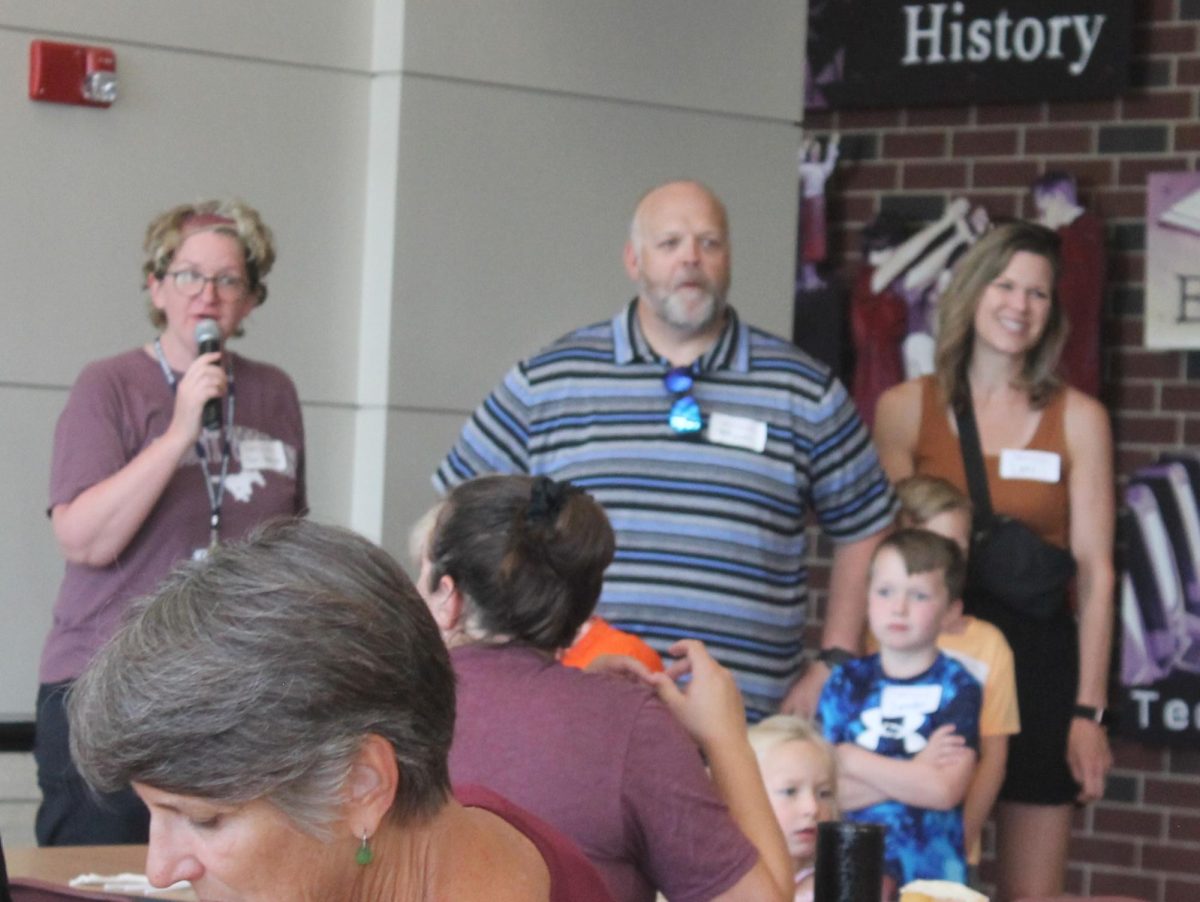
198,222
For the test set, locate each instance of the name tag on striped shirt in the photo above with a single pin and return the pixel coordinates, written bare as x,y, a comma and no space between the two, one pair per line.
737,432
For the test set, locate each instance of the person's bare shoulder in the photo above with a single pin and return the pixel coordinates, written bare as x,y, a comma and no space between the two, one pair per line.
1083,408
1085,422
905,396
897,425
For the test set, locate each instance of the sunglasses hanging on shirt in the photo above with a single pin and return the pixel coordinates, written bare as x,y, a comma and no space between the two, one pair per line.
684,417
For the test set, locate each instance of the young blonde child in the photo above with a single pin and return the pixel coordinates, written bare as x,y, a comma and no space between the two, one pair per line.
799,769
934,504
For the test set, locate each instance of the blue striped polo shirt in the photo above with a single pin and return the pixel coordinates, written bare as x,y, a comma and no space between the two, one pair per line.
710,537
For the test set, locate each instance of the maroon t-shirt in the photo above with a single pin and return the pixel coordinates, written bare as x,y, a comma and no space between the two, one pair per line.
115,409
572,877
602,760
878,324
1081,294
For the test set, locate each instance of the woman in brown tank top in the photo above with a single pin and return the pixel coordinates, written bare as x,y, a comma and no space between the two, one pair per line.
1001,331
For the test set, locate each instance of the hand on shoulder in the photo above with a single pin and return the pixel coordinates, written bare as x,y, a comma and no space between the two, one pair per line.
709,706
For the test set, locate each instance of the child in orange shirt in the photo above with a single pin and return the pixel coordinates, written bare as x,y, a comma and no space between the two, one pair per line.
934,504
599,637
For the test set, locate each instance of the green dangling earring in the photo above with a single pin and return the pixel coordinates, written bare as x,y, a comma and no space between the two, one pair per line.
364,855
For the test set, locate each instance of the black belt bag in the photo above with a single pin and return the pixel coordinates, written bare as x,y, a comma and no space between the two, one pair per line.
1013,565
1009,564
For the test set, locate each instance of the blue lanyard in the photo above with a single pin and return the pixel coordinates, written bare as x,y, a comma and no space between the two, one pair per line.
215,495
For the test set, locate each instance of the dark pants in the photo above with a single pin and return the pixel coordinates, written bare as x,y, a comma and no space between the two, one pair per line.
4,896
71,814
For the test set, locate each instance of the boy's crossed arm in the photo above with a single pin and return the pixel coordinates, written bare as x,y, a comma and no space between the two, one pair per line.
937,777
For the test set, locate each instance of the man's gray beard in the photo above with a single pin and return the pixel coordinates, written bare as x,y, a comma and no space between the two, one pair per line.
681,315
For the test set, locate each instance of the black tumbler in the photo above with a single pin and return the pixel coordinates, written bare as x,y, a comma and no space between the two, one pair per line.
849,862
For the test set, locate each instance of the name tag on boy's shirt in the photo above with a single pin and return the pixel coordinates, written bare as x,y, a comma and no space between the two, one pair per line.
1039,466
897,701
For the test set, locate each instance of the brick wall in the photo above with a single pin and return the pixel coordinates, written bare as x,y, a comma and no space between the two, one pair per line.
1143,839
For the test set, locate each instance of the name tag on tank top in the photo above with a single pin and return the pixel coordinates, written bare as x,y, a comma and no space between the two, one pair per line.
1038,466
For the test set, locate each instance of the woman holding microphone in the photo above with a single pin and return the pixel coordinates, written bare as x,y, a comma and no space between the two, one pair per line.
160,453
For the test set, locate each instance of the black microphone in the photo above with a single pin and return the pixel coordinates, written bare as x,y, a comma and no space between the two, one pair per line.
208,339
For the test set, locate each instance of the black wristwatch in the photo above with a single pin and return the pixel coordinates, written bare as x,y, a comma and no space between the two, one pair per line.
1087,712
833,656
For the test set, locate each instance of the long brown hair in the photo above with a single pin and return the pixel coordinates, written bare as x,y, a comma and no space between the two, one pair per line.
956,314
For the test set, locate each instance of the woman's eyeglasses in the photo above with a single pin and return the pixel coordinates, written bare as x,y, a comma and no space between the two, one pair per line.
190,283
684,417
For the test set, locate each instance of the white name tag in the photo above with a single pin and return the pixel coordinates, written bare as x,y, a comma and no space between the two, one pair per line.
263,454
737,432
1039,466
896,701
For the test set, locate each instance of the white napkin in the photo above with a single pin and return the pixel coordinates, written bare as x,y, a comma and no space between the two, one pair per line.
123,883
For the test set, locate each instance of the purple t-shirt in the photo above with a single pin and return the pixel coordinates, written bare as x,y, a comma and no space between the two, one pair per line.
602,760
115,409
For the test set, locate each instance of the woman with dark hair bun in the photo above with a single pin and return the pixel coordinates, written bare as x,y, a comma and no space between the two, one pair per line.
511,569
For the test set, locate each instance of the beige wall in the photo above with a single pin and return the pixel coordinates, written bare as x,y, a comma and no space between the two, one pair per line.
203,111
535,126
449,182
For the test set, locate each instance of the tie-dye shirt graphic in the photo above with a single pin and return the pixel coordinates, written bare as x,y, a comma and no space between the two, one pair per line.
895,718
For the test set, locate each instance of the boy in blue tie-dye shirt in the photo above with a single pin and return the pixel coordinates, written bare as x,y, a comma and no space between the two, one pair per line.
905,721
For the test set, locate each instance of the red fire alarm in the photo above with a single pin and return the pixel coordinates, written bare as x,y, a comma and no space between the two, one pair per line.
72,73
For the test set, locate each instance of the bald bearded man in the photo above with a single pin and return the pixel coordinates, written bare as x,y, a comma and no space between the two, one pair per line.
709,443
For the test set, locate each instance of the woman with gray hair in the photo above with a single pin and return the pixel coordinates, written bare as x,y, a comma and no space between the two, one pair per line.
156,459
285,709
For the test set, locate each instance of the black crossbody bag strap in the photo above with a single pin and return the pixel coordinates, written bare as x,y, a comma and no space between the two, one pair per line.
972,455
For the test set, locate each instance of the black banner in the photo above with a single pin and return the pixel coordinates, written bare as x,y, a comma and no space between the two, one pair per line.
1159,536
881,53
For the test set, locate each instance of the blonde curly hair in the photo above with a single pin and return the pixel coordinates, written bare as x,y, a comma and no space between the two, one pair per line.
231,217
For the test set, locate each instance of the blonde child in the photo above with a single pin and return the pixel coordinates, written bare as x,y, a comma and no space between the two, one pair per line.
799,769
934,504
